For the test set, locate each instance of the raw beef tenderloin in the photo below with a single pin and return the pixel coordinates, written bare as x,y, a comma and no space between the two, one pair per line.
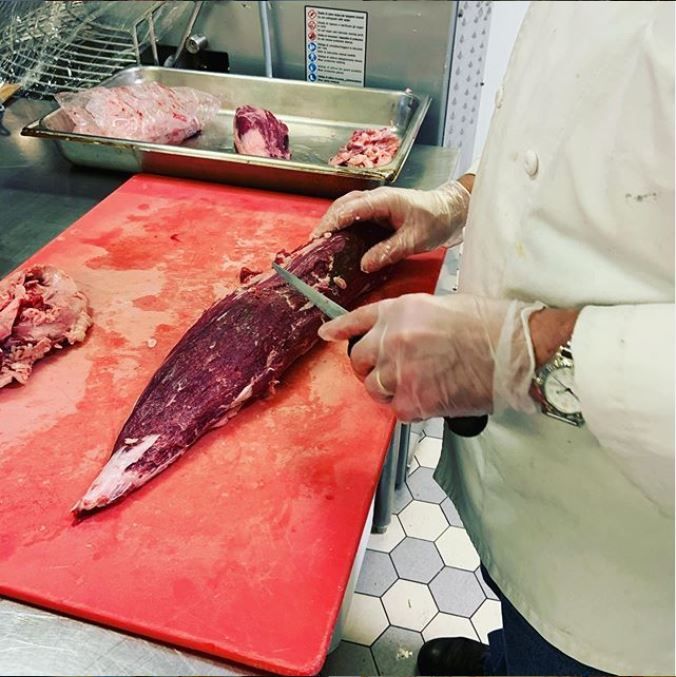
235,353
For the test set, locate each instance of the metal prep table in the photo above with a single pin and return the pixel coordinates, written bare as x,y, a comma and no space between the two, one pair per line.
40,196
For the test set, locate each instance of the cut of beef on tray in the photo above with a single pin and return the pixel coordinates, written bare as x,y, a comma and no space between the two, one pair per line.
235,352
367,148
147,111
40,309
258,132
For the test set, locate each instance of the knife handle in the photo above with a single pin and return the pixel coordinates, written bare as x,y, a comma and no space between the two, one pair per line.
467,426
352,342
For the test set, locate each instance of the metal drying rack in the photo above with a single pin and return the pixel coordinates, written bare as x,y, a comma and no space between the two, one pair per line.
49,47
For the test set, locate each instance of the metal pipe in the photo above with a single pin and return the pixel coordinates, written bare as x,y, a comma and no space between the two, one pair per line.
263,9
153,40
171,60
3,130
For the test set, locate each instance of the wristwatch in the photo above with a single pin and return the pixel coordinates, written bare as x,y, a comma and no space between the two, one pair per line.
553,388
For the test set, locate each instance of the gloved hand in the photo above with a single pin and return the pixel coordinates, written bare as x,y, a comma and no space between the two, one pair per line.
458,355
422,219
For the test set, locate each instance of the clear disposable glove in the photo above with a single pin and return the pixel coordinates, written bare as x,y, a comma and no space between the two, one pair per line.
422,219
458,355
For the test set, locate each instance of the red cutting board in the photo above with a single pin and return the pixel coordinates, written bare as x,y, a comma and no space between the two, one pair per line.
242,549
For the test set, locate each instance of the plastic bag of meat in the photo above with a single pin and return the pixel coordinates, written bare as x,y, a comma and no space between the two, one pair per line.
147,111
40,309
258,132
367,148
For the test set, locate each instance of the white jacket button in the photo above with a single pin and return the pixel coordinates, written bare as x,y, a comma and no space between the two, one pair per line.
498,97
530,162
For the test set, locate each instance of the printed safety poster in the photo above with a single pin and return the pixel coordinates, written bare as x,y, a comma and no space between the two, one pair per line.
335,45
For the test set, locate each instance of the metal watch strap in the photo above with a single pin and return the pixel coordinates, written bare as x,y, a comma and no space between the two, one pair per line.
565,351
562,358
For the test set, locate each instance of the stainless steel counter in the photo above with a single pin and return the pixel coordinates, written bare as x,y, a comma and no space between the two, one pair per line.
40,196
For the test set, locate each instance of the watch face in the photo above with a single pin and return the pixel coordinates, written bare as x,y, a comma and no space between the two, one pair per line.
558,390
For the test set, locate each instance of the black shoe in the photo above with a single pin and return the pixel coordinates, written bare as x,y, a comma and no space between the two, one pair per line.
452,656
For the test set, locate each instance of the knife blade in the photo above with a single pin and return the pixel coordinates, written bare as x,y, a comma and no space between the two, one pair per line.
465,426
330,308
324,303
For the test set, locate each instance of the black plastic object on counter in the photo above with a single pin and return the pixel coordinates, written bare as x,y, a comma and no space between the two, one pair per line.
203,60
467,426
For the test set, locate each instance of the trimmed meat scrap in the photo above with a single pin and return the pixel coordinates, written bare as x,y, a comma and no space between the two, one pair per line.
258,132
235,352
367,148
40,309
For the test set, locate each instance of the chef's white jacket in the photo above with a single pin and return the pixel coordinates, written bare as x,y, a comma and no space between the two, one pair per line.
573,206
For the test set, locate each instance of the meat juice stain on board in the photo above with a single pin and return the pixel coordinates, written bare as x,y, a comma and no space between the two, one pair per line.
124,253
152,302
200,225
184,236
62,455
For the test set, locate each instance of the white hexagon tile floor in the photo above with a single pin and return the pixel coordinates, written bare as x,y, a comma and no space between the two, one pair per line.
420,579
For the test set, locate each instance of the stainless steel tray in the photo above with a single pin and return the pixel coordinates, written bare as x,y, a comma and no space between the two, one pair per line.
320,118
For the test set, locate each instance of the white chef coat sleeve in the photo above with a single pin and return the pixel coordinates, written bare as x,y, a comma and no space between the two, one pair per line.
624,376
474,166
